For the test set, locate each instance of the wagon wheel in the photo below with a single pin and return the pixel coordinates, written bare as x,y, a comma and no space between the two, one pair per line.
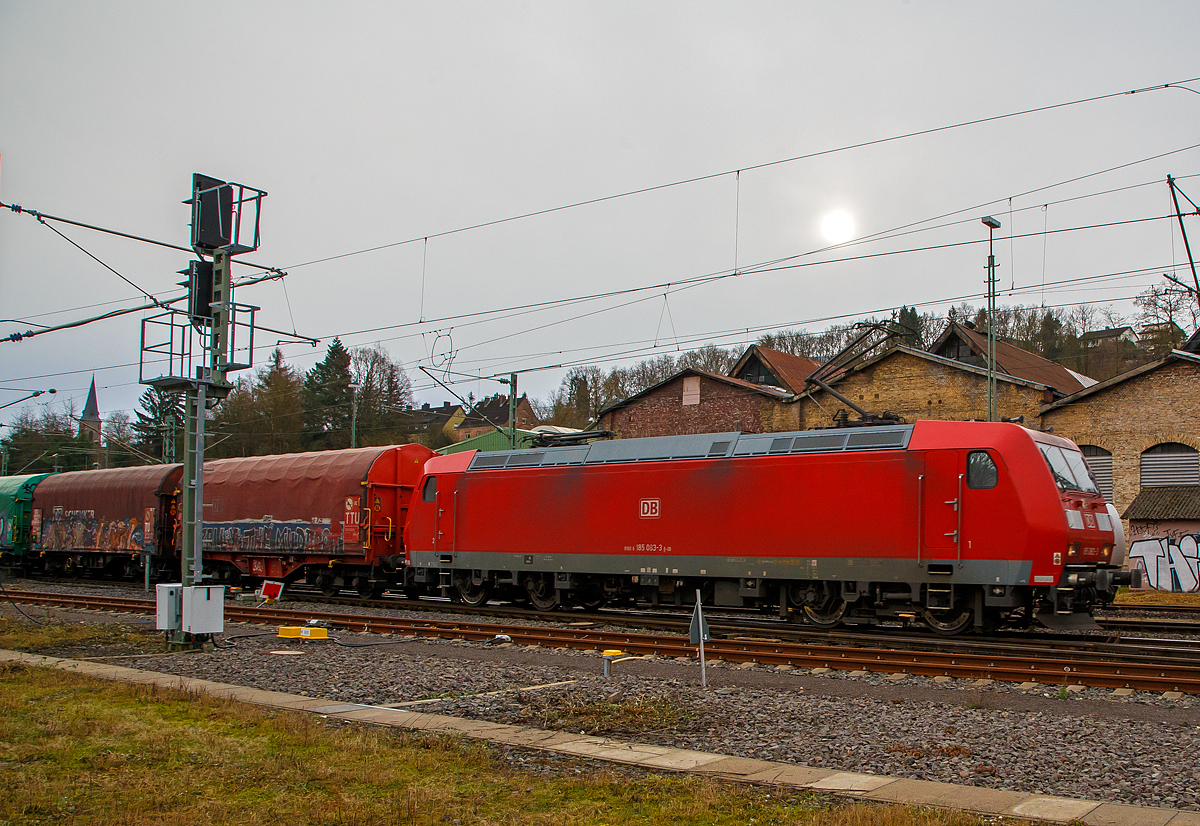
948,623
472,594
368,589
828,613
541,592
328,585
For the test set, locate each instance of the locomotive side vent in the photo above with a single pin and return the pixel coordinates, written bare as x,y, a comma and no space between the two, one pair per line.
482,461
877,438
525,459
719,449
819,442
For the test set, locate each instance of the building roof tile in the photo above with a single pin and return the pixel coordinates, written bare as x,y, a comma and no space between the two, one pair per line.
1164,503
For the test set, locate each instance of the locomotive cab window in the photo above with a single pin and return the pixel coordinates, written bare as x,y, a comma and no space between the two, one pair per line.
981,470
429,492
1069,469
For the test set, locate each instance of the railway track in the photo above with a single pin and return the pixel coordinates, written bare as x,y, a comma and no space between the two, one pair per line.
1157,665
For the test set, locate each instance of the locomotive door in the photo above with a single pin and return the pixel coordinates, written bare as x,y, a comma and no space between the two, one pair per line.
445,496
941,503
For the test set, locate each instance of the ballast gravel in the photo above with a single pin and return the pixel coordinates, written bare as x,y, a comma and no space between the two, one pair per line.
1100,749
1138,749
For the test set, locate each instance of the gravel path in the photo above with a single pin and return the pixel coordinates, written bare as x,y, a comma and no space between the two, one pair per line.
1138,749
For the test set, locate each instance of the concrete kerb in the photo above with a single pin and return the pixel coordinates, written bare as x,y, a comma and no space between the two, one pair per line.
869,787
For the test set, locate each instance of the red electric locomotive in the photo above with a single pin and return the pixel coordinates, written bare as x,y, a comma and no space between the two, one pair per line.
961,525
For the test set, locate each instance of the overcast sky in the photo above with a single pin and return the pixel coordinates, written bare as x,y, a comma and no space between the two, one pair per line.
374,124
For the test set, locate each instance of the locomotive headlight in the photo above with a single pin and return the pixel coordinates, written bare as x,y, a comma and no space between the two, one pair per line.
1106,552
1074,519
1073,549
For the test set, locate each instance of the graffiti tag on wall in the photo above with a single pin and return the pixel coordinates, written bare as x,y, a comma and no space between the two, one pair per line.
267,534
80,530
1169,564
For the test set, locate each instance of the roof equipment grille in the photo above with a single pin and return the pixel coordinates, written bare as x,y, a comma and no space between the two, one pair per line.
700,446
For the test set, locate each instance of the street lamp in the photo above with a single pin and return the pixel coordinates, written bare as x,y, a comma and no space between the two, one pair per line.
992,224
354,413
32,395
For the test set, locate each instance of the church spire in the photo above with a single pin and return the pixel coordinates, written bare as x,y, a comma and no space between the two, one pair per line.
89,422
91,410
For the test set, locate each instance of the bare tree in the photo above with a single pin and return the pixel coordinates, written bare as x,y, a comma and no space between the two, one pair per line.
709,359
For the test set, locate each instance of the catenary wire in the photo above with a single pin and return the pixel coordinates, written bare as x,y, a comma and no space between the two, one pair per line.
764,165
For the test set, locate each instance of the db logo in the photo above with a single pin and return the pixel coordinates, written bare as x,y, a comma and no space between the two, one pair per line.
649,509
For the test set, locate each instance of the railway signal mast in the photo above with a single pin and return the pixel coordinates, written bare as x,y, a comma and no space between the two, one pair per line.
992,224
196,350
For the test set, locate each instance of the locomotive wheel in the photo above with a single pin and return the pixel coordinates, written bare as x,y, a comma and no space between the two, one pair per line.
948,623
473,595
541,592
828,614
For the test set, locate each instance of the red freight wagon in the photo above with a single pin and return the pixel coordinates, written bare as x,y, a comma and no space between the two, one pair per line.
332,518
107,521
960,524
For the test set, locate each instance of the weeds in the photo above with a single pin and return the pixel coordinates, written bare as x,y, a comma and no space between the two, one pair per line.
637,715
93,752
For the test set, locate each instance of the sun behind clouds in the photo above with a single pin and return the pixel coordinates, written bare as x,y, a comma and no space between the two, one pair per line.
837,226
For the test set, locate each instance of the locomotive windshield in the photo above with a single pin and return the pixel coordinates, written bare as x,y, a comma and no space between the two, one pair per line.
1069,469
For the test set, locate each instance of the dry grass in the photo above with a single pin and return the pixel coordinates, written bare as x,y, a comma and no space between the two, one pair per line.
632,715
91,752
76,639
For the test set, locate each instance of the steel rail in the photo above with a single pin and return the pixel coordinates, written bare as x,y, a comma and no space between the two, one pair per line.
1080,668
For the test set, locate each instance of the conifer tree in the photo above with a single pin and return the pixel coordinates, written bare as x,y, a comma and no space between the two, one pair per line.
327,401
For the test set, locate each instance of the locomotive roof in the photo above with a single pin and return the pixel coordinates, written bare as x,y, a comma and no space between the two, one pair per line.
701,446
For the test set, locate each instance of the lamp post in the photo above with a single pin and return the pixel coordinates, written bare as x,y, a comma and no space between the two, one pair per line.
32,395
992,224
354,413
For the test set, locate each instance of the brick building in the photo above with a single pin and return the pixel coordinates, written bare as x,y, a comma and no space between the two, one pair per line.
1141,436
947,382
1125,422
696,402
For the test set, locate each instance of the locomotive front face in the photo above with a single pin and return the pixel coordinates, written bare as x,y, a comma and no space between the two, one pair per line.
1088,568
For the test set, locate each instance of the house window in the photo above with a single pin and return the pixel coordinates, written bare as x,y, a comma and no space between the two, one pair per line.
1170,463
691,390
1099,462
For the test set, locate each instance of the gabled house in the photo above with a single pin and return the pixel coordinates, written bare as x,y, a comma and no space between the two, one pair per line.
692,401
437,425
915,384
962,342
1112,335
491,413
773,368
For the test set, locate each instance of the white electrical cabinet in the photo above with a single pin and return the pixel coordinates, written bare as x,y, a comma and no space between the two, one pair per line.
204,609
169,602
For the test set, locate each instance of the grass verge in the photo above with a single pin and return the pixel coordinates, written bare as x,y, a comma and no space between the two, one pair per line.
93,752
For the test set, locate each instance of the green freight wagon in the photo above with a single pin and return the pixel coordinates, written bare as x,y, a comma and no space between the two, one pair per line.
16,496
